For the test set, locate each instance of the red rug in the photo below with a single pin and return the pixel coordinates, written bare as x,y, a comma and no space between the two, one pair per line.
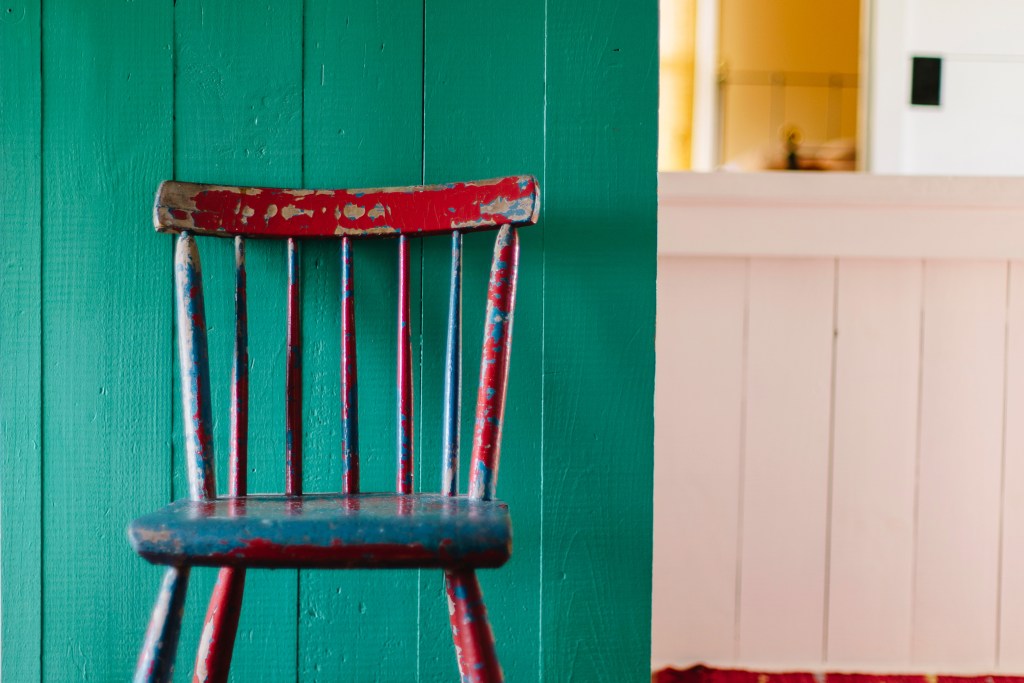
703,674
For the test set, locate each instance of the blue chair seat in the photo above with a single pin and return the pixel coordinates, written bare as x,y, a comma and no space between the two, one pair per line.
367,530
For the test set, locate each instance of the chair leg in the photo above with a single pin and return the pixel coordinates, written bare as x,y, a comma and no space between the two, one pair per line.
474,641
213,660
156,660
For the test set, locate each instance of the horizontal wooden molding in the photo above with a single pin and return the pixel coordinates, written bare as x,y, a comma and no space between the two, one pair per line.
840,215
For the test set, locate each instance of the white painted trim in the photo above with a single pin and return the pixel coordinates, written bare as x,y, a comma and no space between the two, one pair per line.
840,215
704,136
865,66
886,85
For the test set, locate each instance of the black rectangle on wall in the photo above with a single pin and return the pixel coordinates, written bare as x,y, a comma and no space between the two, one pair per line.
926,82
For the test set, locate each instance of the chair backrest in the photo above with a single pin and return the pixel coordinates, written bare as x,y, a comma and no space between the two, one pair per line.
402,212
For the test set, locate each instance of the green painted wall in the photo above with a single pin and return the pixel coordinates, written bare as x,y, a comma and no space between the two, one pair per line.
102,99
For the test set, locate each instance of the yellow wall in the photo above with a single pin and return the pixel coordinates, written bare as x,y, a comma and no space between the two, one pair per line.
676,84
790,35
777,59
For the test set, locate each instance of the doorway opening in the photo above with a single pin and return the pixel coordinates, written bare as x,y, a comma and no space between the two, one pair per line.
754,85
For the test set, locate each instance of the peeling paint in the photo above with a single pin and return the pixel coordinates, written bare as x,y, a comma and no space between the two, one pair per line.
494,362
353,211
291,211
421,209
328,530
471,630
455,533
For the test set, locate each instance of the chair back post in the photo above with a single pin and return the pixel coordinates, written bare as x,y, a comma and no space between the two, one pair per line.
497,347
194,363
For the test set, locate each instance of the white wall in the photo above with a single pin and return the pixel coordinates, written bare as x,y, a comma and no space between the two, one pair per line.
978,128
839,449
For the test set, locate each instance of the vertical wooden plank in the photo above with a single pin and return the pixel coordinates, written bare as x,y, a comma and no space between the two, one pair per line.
484,109
20,344
238,120
1011,593
107,322
698,437
959,468
599,307
874,462
363,126
786,460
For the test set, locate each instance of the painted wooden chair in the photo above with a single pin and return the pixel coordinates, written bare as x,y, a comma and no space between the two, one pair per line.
351,529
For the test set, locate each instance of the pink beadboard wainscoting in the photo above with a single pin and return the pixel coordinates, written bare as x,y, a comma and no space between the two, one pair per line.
839,440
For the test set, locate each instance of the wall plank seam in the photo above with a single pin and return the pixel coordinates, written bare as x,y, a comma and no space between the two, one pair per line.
830,475
1008,311
738,600
917,449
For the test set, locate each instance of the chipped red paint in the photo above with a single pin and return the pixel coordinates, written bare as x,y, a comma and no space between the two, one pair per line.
349,393
417,210
259,553
238,463
471,631
405,417
324,530
497,348
217,642
293,378
354,530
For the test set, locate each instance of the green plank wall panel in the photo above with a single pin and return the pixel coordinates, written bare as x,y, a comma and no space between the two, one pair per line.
106,326
100,100
20,376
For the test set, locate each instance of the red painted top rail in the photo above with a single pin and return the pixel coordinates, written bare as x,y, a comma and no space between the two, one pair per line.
415,210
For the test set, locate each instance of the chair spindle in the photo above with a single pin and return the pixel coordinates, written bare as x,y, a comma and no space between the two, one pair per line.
194,363
405,417
349,393
453,375
293,377
490,402
239,456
